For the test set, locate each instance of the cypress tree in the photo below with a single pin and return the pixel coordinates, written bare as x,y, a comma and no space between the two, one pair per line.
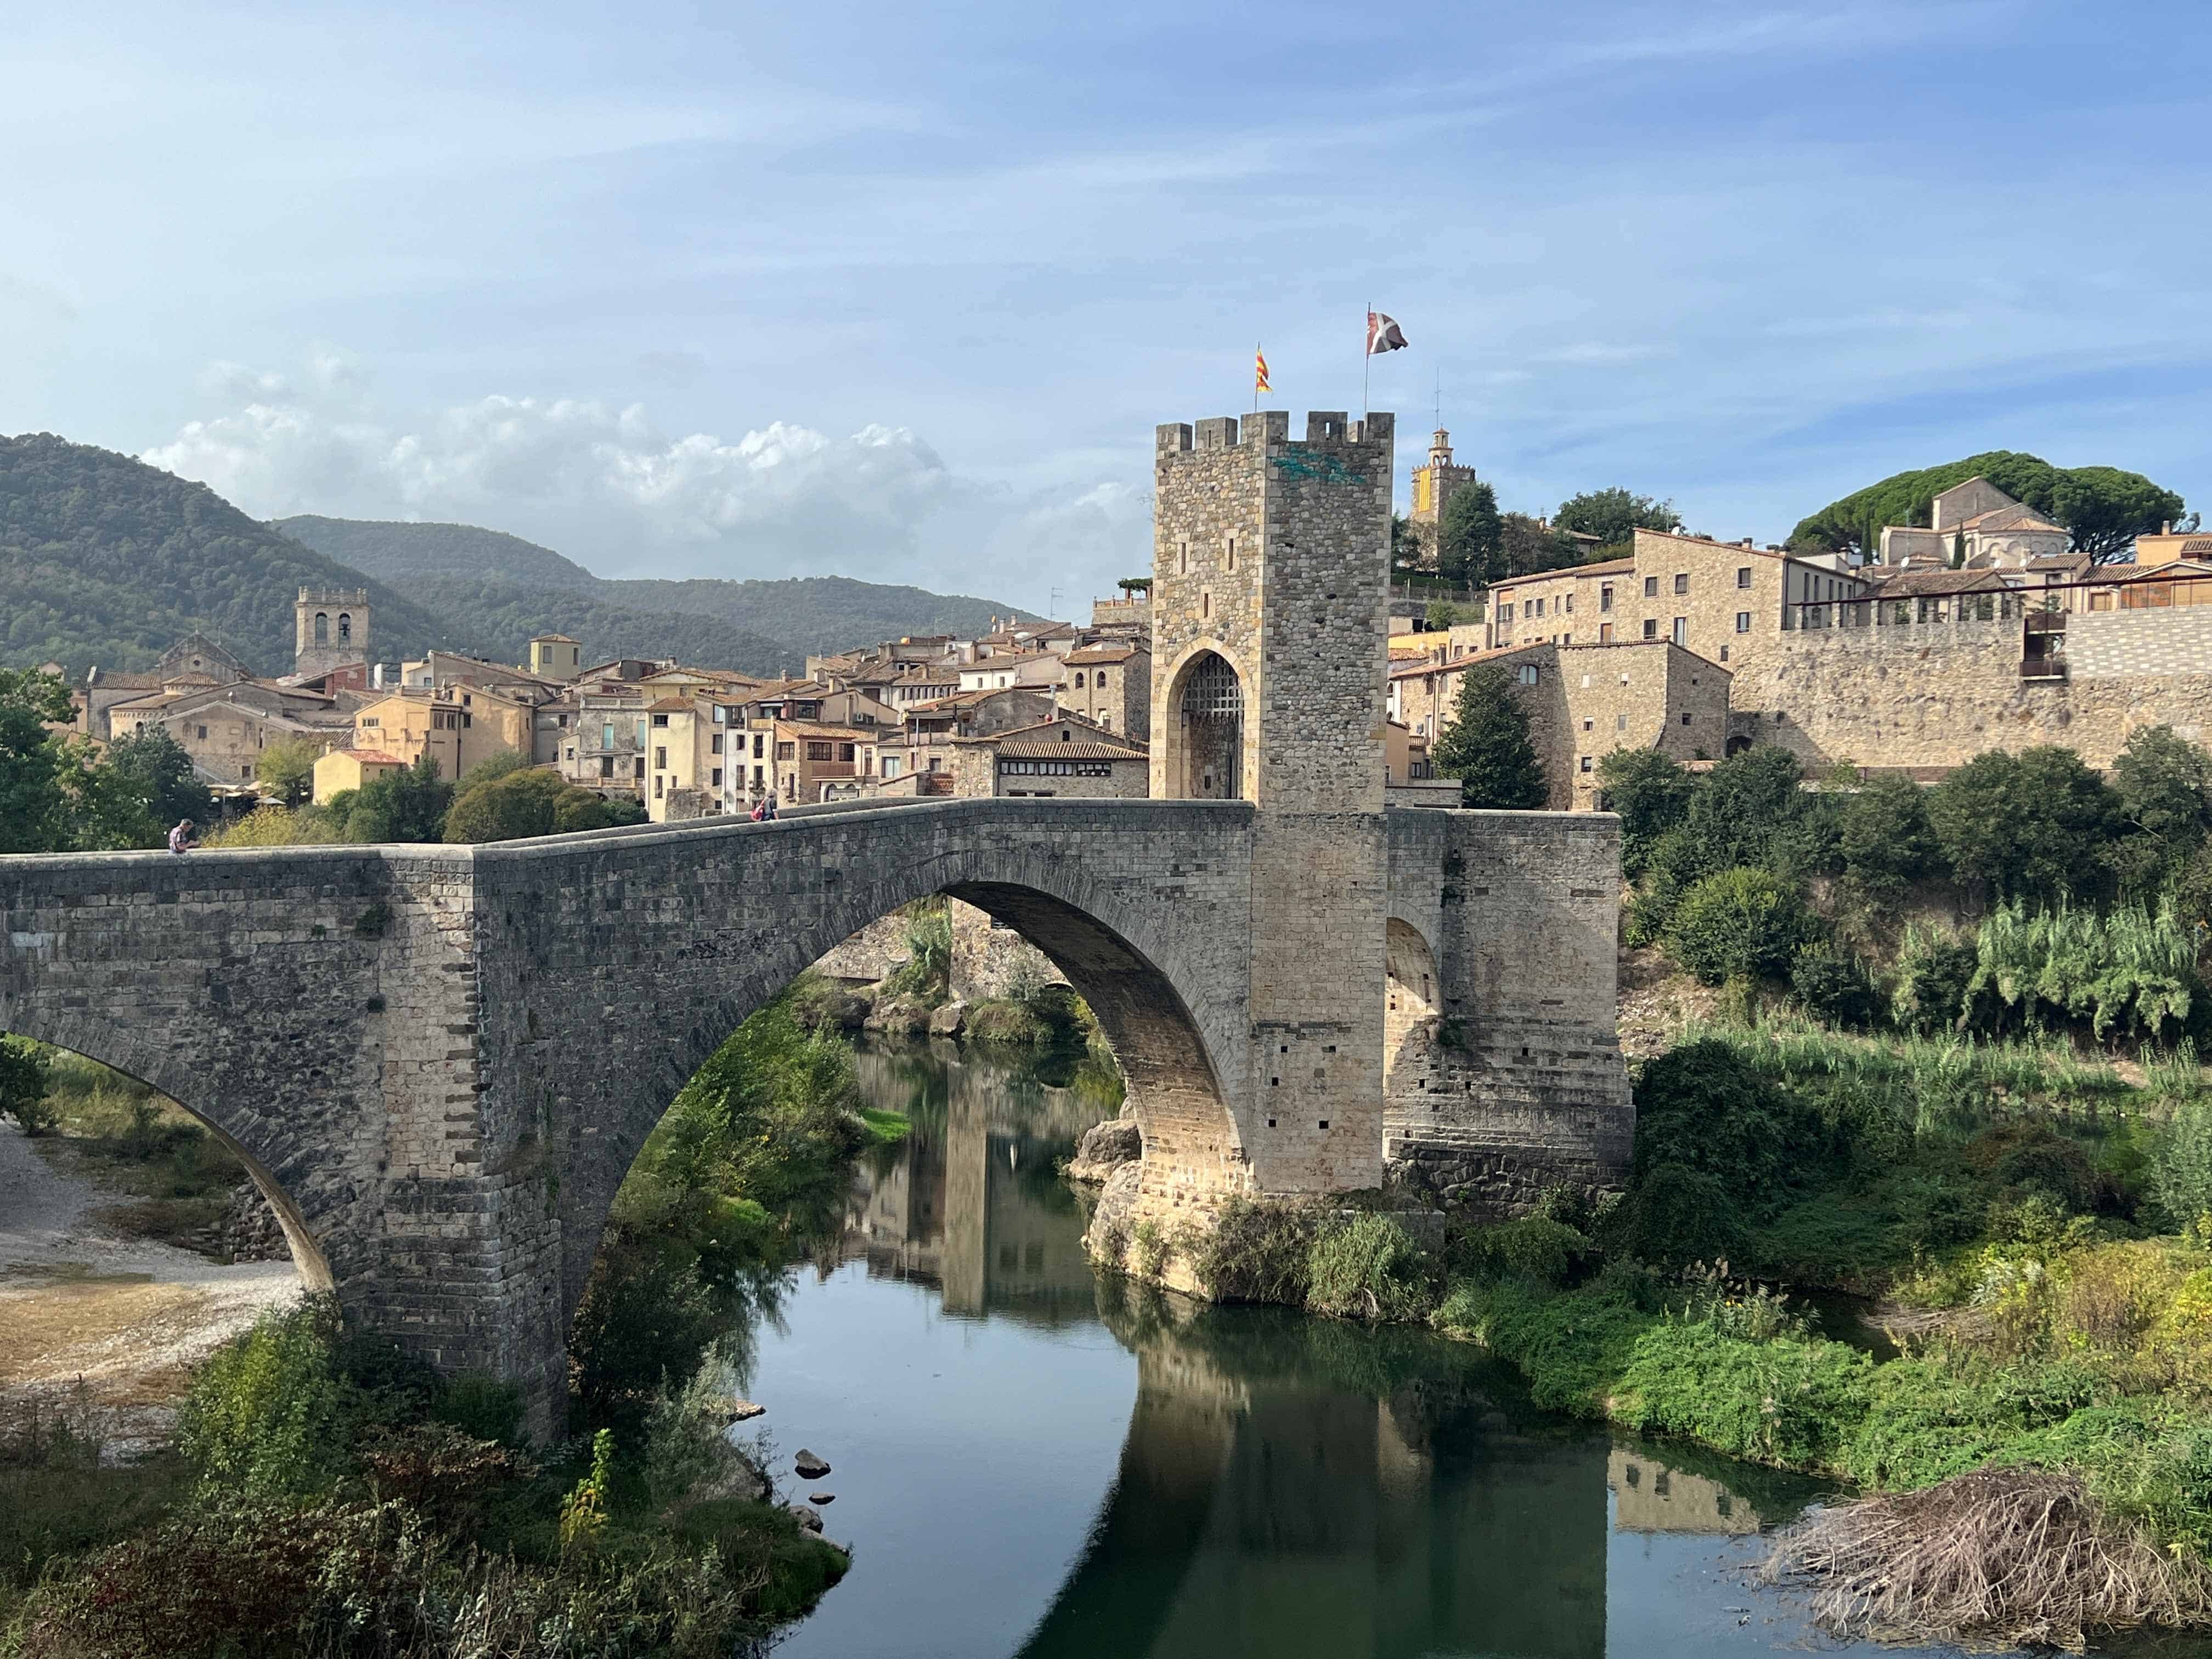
1486,745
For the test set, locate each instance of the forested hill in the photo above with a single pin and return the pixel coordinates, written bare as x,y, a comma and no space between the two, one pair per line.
105,560
805,613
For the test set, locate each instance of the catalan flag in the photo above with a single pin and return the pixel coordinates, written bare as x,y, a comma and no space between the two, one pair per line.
1260,372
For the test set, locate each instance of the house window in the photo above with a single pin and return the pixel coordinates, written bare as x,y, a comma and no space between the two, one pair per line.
1527,673
1605,597
1743,621
1685,718
607,735
1650,628
638,770
715,777
572,752
1079,679
1682,581
758,741
785,751
1620,722
660,720
606,765
844,752
714,744
656,782
661,758
1681,630
1567,605
1724,653
818,751
1585,765
203,732
1605,633
1588,726
1650,587
1743,575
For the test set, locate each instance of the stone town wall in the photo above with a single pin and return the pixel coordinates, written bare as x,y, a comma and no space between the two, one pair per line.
1516,1082
1937,693
990,959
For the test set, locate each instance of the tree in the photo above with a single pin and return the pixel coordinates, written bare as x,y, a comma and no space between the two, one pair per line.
286,770
1883,838
2103,507
1746,804
407,805
149,776
1135,584
1651,792
1486,745
1740,924
2030,824
2162,788
1443,614
1405,550
521,799
1615,515
33,805
1468,535
1526,547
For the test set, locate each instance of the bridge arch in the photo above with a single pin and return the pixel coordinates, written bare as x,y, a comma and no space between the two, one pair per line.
127,1053
1165,992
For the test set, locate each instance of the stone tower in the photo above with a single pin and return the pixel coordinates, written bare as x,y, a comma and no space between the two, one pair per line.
1270,653
1433,485
330,629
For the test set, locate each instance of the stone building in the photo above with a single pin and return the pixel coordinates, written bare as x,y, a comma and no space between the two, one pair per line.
556,656
343,769
1719,600
330,629
456,725
1976,526
224,728
1584,701
1110,685
1061,757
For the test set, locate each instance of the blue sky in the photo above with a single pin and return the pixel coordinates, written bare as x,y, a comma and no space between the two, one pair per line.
900,291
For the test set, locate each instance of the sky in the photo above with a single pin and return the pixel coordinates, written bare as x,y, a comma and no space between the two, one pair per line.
899,292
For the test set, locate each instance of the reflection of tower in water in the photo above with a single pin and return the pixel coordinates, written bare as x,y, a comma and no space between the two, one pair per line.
970,1200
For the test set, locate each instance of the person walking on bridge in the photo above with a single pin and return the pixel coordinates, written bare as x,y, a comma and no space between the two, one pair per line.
180,838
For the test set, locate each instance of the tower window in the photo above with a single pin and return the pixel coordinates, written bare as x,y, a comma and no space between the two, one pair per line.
1232,552
322,628
1204,606
345,628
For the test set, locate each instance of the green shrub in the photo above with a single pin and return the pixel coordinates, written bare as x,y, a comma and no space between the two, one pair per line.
1571,1348
2131,971
1005,1021
1780,1402
25,1066
1835,987
481,1406
2182,1170
1741,924
1933,972
1704,1105
1674,1215
1257,1251
1534,1247
1367,1266
270,1414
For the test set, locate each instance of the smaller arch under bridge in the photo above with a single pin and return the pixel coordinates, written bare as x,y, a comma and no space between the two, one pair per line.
440,1061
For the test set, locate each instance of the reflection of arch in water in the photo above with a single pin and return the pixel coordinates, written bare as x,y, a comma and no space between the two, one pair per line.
1202,729
1294,1485
219,1117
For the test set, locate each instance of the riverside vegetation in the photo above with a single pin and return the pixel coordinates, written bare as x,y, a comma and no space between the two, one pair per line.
326,1496
1956,1073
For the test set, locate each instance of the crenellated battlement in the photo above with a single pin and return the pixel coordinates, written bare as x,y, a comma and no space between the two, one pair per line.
1270,428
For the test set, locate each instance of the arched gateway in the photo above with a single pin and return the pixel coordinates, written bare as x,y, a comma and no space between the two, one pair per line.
441,1061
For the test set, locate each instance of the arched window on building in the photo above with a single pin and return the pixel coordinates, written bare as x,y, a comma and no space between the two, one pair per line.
345,628
322,628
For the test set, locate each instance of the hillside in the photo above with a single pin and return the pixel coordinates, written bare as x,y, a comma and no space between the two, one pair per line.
105,559
804,613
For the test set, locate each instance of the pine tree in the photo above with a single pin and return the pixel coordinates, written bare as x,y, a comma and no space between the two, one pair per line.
1486,745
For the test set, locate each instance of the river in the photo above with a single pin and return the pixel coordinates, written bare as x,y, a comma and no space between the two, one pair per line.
1030,1459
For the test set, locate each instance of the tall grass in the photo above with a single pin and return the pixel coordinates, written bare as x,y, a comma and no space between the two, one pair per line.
2128,970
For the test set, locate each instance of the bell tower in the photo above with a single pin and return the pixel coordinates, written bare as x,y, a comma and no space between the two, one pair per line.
330,629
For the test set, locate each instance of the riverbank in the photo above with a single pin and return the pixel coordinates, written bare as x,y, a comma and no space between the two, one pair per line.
2022,1199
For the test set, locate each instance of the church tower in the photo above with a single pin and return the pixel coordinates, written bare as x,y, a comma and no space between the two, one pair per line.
330,629
1433,485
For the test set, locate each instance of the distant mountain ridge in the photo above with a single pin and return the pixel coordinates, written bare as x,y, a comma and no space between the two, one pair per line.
807,613
107,559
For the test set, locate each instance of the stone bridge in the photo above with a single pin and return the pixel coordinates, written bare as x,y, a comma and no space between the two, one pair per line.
440,1062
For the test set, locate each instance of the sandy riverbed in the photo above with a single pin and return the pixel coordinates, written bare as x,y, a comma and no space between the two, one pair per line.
129,1318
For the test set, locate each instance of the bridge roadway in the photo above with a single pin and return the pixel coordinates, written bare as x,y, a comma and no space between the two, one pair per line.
440,1062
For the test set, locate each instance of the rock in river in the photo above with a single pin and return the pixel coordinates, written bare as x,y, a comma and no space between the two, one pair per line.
808,1466
810,1519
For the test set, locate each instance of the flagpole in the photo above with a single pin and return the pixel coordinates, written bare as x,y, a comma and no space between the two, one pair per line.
1366,359
1256,378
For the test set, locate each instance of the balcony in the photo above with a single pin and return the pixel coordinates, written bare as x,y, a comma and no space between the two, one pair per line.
2043,668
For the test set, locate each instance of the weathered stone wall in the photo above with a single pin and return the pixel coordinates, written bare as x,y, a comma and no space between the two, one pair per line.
990,959
1937,694
1516,1082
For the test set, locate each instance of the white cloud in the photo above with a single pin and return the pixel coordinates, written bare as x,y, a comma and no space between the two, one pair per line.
607,486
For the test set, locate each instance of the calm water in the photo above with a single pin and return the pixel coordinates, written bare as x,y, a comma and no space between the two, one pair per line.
1031,1460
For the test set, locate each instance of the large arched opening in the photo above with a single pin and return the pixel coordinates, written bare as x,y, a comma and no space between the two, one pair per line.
1202,729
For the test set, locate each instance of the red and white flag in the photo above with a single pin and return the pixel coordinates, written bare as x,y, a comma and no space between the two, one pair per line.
1384,334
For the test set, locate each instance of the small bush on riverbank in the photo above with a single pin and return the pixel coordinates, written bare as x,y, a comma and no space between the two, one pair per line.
1256,1252
1367,1266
